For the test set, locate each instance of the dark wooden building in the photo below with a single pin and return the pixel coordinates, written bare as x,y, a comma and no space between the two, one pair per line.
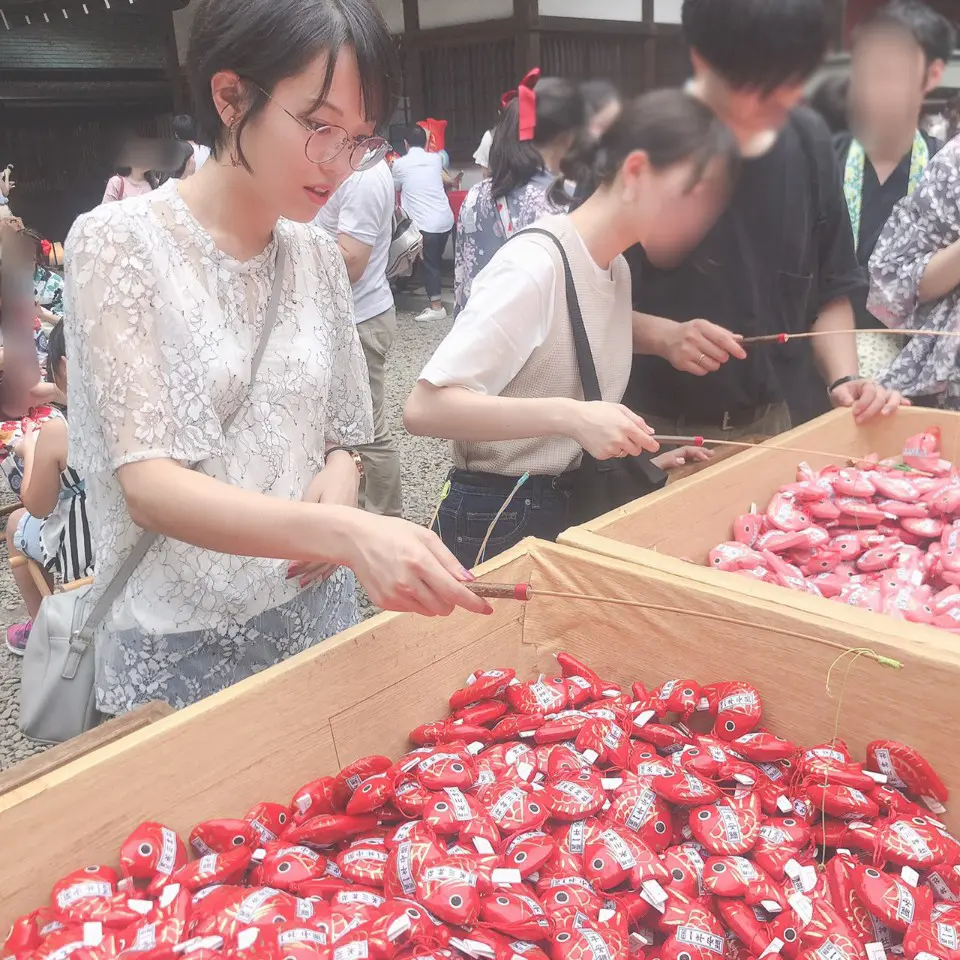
76,76
459,72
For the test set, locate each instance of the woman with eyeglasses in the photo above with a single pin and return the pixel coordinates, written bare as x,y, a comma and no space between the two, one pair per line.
239,464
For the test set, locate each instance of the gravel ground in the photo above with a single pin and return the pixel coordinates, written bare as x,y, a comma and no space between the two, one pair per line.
425,464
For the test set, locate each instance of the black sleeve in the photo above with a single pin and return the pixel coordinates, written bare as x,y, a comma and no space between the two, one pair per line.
839,273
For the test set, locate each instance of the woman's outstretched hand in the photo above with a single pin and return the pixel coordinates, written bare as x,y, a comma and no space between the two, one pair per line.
407,569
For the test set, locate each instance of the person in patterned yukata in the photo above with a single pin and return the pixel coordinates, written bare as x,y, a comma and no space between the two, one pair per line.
915,283
899,56
537,128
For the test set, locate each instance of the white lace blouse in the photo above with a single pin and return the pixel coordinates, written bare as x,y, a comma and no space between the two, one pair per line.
161,329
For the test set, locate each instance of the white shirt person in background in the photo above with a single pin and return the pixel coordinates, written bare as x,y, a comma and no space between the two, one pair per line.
359,216
420,177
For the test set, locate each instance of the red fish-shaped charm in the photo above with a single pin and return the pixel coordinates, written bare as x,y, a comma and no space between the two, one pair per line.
482,685
450,892
219,836
738,711
574,797
729,827
152,853
269,820
516,915
922,451
213,868
905,767
890,900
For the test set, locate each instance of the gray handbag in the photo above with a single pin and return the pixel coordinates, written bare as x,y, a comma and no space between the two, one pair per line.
57,688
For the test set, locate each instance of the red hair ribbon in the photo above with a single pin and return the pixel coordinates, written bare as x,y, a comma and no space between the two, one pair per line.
46,247
528,103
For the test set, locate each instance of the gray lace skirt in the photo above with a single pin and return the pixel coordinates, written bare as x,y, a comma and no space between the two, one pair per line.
134,668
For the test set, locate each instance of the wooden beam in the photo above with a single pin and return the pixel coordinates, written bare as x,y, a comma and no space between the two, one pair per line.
487,30
583,26
527,39
411,15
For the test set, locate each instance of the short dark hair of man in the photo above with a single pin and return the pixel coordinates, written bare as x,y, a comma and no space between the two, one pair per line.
416,136
931,31
758,44
183,127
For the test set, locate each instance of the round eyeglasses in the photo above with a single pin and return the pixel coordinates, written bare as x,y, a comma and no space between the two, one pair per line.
327,141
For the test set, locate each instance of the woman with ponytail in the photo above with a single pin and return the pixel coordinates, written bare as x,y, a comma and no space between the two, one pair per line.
540,121
505,384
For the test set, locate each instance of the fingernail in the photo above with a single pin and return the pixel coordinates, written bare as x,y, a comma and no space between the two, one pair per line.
488,611
291,573
466,575
304,582
680,461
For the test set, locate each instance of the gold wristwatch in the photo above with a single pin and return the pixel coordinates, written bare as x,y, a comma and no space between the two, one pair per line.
357,459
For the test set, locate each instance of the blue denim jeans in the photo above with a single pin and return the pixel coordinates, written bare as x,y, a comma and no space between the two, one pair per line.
541,508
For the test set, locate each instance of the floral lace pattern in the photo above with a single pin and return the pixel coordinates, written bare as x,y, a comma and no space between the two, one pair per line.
921,226
161,330
480,232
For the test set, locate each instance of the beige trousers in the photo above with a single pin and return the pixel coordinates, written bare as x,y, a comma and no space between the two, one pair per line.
381,461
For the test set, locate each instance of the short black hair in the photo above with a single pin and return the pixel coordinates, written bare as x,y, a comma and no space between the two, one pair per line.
931,31
266,41
56,350
598,94
830,99
416,136
183,127
760,44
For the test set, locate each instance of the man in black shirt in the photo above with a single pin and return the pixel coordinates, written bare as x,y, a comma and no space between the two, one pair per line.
899,56
780,260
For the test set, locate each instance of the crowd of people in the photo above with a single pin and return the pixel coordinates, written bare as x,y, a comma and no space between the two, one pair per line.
226,331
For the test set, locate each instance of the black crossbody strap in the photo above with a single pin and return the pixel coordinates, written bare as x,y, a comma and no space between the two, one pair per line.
588,370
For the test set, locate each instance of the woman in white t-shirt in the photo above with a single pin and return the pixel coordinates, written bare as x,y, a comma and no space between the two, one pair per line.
504,385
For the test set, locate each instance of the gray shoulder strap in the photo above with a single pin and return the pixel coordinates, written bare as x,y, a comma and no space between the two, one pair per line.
147,539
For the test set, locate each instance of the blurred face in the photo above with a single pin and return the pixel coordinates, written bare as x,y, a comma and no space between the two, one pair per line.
679,215
888,82
274,142
750,113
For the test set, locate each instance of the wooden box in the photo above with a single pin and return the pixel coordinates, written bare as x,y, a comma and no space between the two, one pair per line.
362,691
674,530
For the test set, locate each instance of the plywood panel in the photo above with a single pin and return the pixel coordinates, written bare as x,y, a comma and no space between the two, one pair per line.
380,723
786,657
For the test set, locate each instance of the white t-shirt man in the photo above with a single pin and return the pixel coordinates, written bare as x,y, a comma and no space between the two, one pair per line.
362,208
419,176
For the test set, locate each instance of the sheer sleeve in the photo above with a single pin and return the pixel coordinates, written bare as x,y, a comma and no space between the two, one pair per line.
137,389
919,227
349,412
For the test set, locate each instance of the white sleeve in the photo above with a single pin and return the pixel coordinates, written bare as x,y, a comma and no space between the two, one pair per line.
482,156
361,211
508,316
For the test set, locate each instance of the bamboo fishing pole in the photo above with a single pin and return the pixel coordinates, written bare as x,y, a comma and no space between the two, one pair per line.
787,337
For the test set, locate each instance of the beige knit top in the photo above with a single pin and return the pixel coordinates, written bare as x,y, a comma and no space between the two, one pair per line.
551,371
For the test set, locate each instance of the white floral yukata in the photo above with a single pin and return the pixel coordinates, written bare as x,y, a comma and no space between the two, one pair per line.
162,327
920,227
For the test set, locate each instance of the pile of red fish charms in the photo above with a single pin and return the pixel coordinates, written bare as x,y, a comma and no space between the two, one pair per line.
561,818
884,536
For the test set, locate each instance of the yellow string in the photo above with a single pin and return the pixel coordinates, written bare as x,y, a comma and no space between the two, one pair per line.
734,621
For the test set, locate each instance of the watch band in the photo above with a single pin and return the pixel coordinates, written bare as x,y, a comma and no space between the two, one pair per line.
357,459
839,383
